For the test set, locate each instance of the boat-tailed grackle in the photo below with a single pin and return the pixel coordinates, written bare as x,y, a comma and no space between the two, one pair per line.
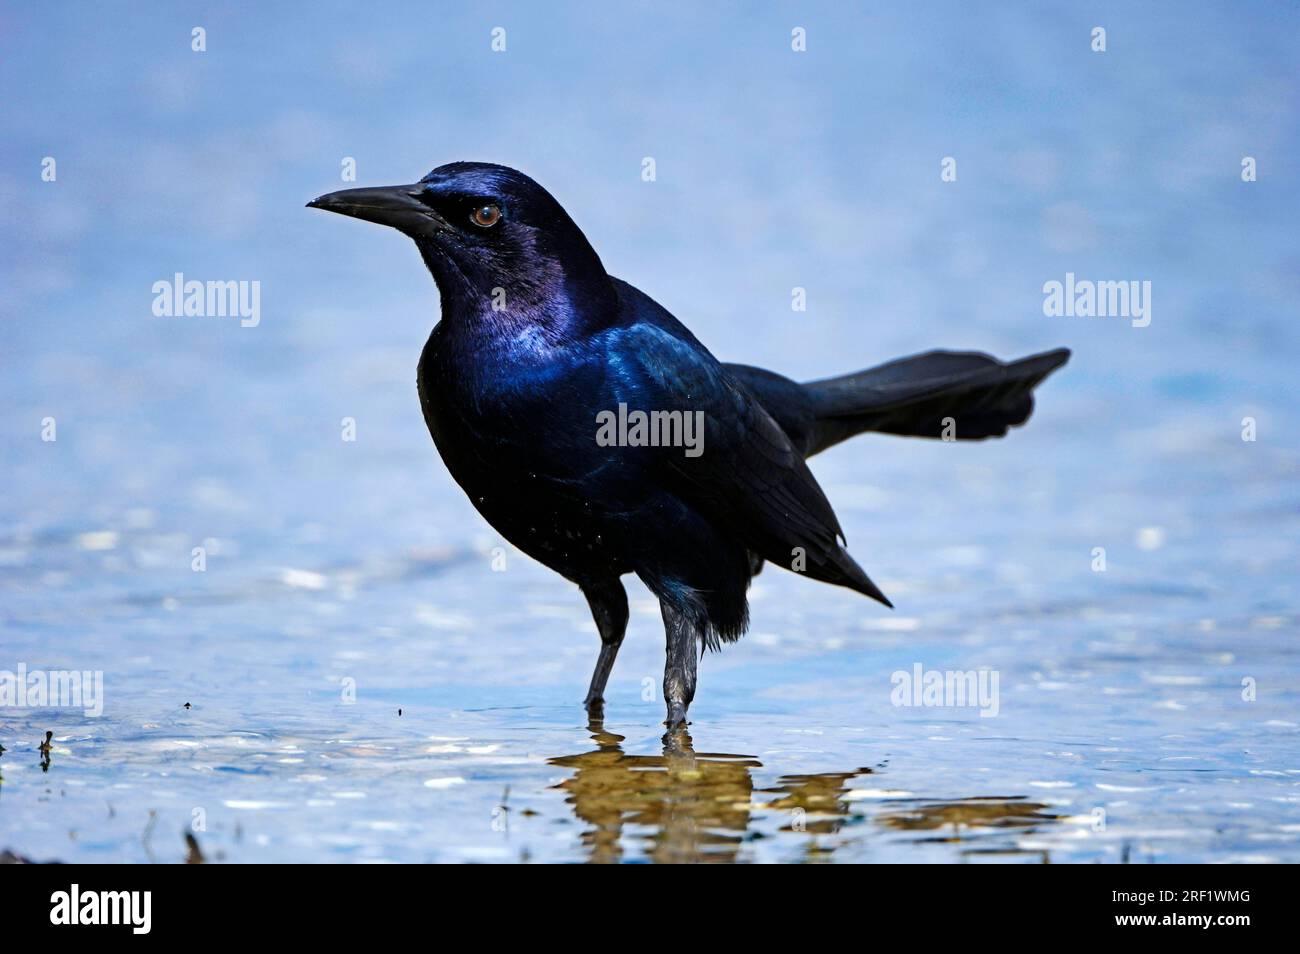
597,435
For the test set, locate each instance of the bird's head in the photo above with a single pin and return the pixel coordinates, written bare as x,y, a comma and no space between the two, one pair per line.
495,241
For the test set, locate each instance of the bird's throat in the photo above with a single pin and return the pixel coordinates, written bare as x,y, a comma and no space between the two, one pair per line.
542,305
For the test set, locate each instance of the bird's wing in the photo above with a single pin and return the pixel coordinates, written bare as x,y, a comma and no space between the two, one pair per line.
748,477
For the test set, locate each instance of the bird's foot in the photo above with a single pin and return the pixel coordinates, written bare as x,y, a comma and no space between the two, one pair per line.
676,716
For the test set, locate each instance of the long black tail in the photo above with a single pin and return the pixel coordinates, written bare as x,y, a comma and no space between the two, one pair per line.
913,397
961,394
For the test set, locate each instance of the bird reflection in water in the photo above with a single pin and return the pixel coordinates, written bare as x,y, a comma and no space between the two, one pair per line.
980,826
697,806
692,807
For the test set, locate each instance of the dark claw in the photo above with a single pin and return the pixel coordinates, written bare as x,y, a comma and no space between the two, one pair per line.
676,718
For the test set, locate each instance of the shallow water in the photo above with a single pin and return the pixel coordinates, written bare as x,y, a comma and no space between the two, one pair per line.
1120,731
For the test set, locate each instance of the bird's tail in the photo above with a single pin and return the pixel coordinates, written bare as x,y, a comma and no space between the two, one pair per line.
961,395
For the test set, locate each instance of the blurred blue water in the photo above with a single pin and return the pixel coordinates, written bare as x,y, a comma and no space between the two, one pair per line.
330,560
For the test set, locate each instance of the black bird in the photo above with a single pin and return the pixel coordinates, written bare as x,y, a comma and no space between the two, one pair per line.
539,349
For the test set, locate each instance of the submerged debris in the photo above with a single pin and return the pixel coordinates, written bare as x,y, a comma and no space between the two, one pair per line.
45,749
147,835
8,857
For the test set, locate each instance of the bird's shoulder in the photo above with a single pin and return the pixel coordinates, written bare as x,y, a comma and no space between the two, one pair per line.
749,473
653,356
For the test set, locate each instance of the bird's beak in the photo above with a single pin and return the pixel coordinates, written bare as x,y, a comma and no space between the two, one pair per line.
396,206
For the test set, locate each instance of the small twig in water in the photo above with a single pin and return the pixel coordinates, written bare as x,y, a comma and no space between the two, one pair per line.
147,834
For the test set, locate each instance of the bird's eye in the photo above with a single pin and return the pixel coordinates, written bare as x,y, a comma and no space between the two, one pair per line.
486,216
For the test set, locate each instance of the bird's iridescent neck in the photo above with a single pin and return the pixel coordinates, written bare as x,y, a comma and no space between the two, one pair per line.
544,305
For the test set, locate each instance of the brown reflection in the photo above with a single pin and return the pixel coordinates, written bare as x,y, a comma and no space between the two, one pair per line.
698,806
980,825
816,803
688,806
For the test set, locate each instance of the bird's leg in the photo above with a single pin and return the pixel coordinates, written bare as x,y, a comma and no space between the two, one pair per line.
608,602
679,666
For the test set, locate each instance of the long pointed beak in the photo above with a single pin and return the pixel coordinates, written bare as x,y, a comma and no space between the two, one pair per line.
395,206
